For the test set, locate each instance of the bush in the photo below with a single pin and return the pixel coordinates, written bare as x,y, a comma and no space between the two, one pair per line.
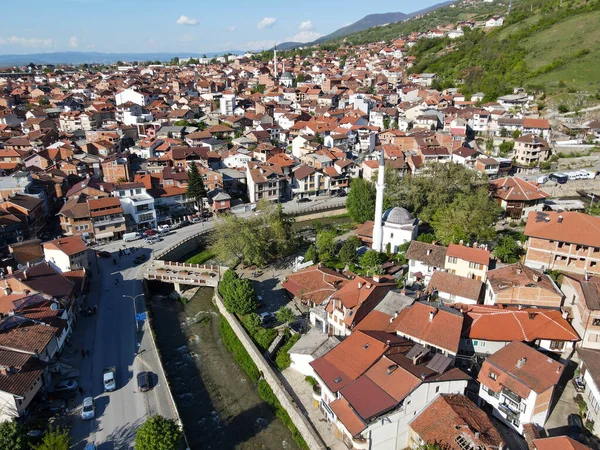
563,109
262,337
283,360
311,380
201,257
233,344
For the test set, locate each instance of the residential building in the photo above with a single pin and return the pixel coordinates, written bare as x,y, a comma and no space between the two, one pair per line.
67,254
115,169
559,443
582,300
589,368
518,383
530,150
517,284
265,181
469,262
567,241
137,205
313,285
518,197
455,289
107,218
454,422
227,103
423,260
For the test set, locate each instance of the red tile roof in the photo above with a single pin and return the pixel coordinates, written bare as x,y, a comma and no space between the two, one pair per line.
571,227
347,416
516,189
559,443
315,283
471,254
68,245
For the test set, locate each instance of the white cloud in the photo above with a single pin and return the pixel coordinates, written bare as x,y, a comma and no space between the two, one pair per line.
74,42
267,22
305,36
305,26
185,20
26,42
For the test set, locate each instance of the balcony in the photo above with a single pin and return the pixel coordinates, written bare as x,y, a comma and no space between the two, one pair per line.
110,221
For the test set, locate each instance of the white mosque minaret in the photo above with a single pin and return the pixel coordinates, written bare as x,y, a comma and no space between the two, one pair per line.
394,227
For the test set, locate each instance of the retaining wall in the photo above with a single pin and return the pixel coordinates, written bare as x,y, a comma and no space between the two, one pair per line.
178,251
321,214
570,188
306,429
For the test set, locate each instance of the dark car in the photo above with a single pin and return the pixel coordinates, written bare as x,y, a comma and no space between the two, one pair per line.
139,259
575,427
103,254
341,194
304,200
143,381
65,386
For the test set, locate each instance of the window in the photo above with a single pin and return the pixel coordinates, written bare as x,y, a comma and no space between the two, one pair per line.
452,259
473,265
593,402
596,322
475,344
437,389
493,376
556,345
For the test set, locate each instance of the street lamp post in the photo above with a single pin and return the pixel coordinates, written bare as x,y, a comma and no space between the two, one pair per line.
134,308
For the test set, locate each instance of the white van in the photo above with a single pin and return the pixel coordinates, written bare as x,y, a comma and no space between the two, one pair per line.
573,175
542,179
128,237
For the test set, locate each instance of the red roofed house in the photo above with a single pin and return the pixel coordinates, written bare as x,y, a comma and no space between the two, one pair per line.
373,383
568,241
456,423
353,301
315,284
107,218
540,127
468,262
518,382
66,254
518,197
558,443
488,329
582,298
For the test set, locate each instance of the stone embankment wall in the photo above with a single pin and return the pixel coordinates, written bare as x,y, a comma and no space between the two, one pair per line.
570,188
312,438
321,215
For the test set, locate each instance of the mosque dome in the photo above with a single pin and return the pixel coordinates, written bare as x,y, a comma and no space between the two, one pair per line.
398,216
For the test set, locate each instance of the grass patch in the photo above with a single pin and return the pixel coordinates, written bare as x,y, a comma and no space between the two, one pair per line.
233,344
283,360
262,337
201,257
266,393
311,380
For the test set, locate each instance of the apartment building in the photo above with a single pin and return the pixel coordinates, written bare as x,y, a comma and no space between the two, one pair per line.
265,181
107,218
531,150
137,204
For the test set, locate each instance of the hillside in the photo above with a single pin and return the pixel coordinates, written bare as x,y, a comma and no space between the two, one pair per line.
372,20
545,44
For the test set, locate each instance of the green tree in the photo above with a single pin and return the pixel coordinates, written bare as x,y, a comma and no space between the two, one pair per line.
326,245
361,200
175,61
195,189
158,433
432,446
469,217
311,254
300,78
54,439
285,315
426,237
226,284
12,436
503,132
371,260
516,134
241,298
506,147
386,123
347,252
508,250
563,109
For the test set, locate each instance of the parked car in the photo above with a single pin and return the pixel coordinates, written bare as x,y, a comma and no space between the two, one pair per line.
143,381
266,317
150,233
139,259
304,200
88,411
65,386
575,427
579,384
341,194
152,240
197,220
103,254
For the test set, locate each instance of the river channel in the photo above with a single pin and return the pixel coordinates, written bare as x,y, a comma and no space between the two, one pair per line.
218,403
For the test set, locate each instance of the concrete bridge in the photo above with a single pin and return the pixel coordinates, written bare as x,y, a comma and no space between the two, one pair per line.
184,274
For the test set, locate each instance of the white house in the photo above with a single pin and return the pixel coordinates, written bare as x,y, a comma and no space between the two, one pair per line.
66,254
423,260
227,103
137,203
237,160
495,21
133,96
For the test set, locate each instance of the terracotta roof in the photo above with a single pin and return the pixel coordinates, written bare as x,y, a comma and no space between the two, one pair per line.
559,443
450,416
315,283
471,254
105,202
367,398
571,227
516,189
442,331
347,416
21,382
521,369
68,245
515,275
529,122
430,254
455,285
493,323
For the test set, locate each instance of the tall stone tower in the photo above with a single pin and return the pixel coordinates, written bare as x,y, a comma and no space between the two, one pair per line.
275,61
378,226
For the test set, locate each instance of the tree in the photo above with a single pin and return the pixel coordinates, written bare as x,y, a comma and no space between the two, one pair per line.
469,217
371,260
426,237
311,254
226,284
347,253
12,436
489,145
195,189
361,200
432,446
241,298
386,123
175,61
285,315
54,439
508,250
300,78
326,245
503,132
506,147
563,109
516,134
158,433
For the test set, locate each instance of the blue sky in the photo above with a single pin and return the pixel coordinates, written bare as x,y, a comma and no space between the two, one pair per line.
173,26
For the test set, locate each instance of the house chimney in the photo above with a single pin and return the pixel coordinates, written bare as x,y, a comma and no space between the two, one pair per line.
9,269
586,276
461,242
521,362
519,271
376,278
428,251
560,219
477,435
432,315
359,285
25,274
536,278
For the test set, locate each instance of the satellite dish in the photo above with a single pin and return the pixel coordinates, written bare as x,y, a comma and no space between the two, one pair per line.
54,307
20,266
19,238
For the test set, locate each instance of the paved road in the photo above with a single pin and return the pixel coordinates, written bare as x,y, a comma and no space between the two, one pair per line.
112,339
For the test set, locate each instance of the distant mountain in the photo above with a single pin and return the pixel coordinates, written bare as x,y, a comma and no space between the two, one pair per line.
370,21
97,58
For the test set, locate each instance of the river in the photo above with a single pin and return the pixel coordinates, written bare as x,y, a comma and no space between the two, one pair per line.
218,403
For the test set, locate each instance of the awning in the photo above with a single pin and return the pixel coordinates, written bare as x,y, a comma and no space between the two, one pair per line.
106,235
